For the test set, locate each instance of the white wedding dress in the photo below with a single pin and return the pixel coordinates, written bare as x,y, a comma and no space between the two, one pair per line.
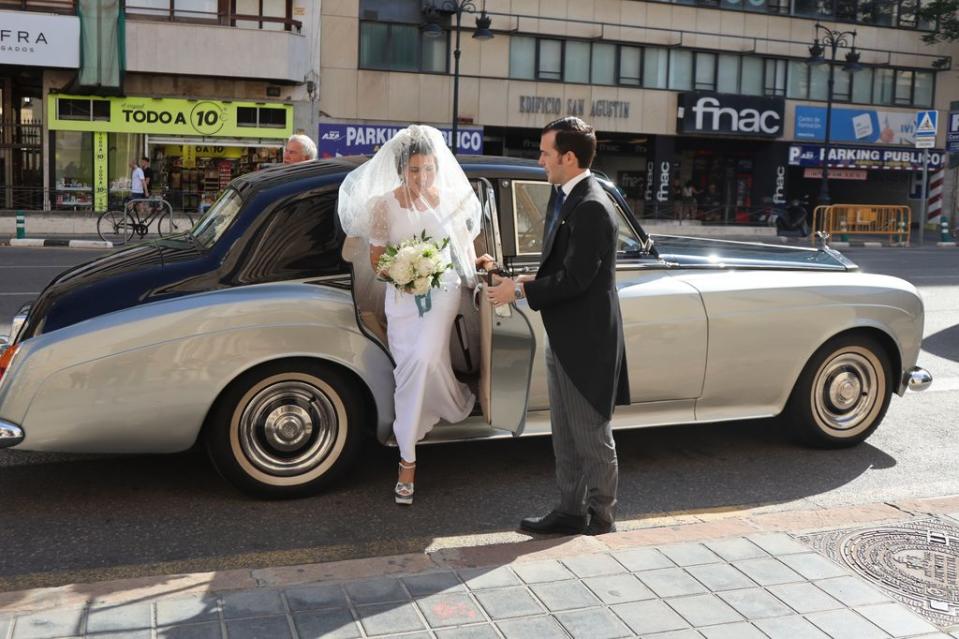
426,390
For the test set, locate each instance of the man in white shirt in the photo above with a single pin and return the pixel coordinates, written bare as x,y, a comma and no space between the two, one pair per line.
137,184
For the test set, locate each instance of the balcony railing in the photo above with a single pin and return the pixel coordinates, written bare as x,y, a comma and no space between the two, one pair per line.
223,18
46,6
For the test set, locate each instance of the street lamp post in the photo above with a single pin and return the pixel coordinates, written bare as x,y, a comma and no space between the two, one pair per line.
826,37
433,30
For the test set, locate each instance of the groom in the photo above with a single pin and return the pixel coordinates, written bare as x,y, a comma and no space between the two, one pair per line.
575,290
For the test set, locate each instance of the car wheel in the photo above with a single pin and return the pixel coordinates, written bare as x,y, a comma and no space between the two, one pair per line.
842,394
286,429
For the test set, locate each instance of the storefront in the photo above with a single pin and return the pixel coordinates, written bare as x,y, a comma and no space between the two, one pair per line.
724,165
862,175
29,43
872,156
195,146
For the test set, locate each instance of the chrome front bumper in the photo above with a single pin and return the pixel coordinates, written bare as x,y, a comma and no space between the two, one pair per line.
10,434
917,379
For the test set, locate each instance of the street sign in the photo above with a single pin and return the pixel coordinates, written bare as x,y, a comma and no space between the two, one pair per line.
927,122
952,133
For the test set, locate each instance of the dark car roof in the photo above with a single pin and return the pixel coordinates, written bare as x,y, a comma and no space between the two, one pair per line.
486,165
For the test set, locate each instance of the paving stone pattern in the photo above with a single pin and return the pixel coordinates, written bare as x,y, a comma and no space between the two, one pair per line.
760,586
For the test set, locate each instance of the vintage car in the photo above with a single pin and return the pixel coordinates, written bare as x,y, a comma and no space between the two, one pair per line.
261,334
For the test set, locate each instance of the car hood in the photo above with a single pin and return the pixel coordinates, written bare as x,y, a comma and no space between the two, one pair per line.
149,255
707,252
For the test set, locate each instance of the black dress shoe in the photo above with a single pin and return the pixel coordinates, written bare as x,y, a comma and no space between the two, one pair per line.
599,526
555,523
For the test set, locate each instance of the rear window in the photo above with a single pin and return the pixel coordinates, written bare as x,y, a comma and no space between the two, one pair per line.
217,219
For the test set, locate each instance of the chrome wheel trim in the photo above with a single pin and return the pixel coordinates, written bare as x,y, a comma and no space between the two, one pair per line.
848,392
310,456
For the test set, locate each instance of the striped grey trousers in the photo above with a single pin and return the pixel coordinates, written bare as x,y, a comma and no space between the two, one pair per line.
587,472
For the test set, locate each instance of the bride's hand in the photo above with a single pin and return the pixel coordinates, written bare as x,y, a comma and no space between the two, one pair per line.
485,262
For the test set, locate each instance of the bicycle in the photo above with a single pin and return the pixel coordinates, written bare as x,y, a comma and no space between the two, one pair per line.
118,227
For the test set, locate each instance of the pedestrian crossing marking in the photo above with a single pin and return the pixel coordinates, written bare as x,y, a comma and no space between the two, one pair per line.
926,122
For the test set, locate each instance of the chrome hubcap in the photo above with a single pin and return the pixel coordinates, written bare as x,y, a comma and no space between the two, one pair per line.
288,428
846,390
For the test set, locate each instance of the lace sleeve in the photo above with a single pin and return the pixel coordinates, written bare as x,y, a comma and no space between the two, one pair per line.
380,223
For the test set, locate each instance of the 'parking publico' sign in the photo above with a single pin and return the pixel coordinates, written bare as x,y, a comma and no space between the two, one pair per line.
340,138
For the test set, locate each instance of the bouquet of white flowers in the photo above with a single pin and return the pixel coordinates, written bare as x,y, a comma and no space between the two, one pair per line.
415,267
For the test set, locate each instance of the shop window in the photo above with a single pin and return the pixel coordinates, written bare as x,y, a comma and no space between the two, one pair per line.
798,80
727,76
576,62
680,69
549,65
246,116
842,85
819,82
400,47
752,76
83,109
655,63
603,65
630,67
882,86
73,169
925,81
862,86
904,87
705,71
124,148
302,239
775,77
522,58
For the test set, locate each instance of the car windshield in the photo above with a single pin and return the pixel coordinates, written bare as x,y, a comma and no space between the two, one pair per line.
217,219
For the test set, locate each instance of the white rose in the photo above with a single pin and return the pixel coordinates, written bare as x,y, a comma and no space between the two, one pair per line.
421,286
401,270
424,266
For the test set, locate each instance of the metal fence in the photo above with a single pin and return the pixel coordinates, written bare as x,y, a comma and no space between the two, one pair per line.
891,222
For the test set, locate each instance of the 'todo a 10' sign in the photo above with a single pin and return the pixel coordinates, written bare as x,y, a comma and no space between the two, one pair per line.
171,116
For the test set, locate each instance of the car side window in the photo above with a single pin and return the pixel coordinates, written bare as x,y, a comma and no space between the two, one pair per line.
530,203
302,239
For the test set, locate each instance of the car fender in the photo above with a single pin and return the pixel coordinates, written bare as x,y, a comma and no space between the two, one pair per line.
143,379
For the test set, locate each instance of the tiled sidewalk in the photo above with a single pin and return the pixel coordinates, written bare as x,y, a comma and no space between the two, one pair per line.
757,585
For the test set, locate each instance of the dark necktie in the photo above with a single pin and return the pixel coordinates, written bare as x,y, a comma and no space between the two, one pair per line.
558,198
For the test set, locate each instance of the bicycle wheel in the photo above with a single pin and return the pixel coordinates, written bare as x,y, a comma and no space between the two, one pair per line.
170,225
116,227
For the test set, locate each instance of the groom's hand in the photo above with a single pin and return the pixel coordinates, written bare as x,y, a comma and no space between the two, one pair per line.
502,292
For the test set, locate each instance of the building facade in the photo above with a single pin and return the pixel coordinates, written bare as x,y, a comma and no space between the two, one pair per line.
715,96
207,89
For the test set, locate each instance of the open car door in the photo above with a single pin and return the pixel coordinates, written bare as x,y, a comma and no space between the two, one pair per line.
507,345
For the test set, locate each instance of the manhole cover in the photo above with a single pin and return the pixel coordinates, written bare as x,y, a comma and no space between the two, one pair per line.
914,562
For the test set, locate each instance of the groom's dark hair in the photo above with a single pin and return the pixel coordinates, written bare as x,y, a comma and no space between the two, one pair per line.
417,146
572,134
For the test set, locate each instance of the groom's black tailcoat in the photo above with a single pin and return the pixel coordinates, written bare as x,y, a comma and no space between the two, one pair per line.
575,291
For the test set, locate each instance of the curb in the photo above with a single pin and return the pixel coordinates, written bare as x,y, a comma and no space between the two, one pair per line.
705,525
61,243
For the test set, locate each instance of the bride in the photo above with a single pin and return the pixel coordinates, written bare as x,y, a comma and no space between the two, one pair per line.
419,187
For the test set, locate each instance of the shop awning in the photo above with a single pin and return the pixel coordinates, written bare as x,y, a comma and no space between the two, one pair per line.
208,141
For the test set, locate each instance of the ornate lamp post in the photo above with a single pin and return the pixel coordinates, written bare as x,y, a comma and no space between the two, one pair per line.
433,30
833,40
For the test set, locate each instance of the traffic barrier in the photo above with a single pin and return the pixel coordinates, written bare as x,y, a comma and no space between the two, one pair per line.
892,221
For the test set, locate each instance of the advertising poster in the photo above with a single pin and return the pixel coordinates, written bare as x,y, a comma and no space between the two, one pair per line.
860,126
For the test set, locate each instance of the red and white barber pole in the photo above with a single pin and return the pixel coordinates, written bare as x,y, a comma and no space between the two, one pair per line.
934,207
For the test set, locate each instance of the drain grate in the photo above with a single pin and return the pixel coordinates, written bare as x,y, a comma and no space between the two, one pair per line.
914,562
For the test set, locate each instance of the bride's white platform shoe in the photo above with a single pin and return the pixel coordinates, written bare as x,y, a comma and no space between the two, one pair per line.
403,493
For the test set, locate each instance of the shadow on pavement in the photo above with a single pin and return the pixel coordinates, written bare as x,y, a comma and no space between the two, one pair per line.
945,343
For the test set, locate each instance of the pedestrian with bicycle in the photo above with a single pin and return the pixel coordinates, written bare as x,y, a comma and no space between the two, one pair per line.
137,182
147,175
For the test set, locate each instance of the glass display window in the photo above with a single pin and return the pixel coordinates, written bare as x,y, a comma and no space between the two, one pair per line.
73,169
